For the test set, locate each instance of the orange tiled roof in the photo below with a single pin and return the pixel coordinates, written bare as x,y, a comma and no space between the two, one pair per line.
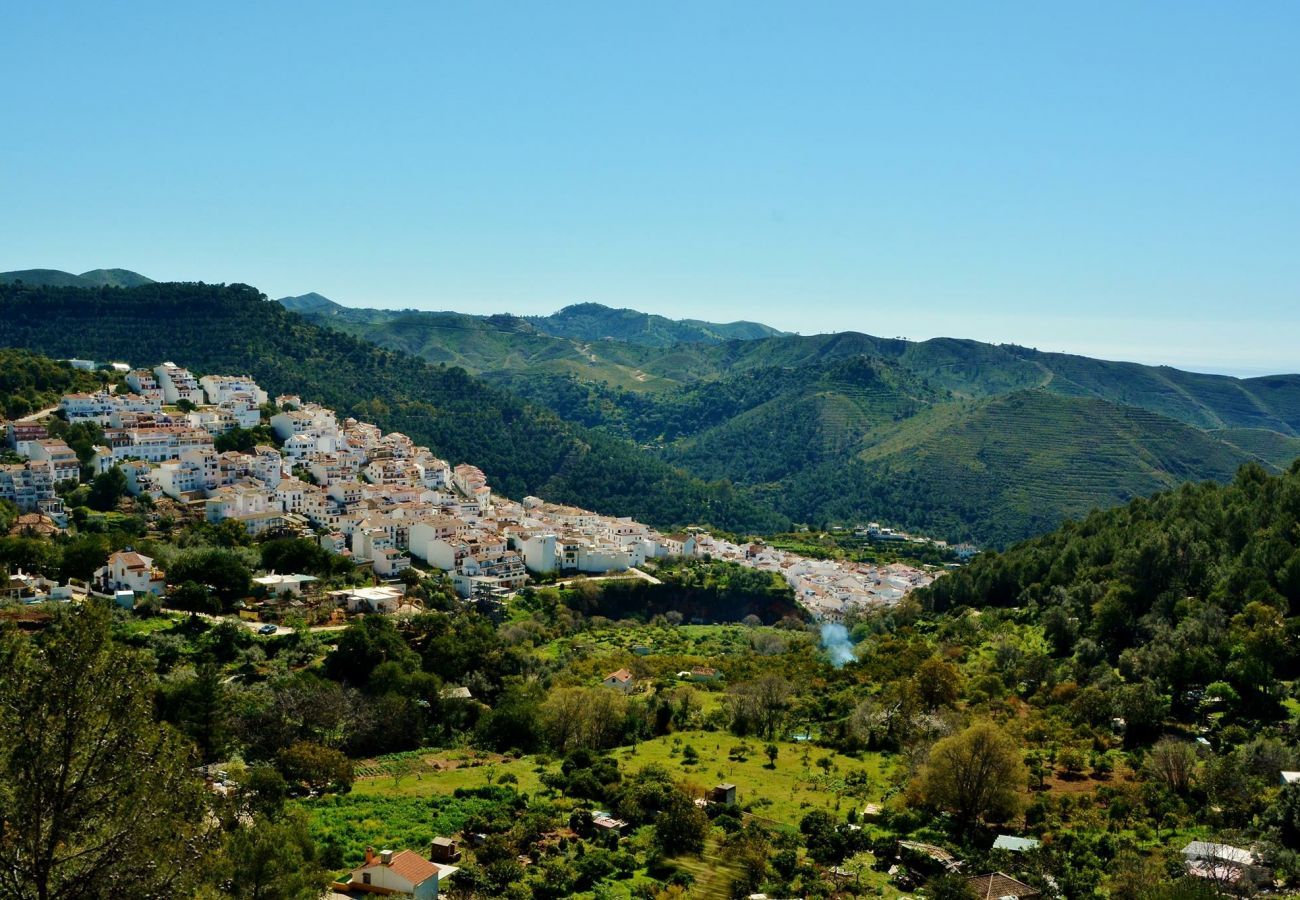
413,867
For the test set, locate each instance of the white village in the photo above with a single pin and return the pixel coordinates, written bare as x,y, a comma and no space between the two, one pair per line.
379,499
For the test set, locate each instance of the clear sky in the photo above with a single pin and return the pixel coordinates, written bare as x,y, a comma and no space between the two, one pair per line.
1118,179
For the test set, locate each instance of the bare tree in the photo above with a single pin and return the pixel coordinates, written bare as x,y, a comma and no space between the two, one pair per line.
759,706
1174,763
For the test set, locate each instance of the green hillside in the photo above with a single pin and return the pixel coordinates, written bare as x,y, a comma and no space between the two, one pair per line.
800,418
698,414
236,329
594,322
1207,401
43,277
1269,446
30,382
1006,468
497,346
974,369
311,303
845,427
859,438
1169,572
503,345
58,278
114,278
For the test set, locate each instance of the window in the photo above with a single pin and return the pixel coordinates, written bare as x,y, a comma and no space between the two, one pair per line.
365,878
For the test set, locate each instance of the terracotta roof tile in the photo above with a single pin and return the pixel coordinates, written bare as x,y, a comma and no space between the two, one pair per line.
998,885
412,866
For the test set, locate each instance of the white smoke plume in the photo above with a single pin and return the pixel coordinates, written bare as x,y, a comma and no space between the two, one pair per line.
835,638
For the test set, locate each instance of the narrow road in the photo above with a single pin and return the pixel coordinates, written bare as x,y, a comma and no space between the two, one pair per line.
632,572
51,410
280,630
39,414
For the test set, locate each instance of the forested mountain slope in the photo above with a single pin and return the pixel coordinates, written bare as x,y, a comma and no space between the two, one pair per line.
492,345
30,382
966,368
938,435
1193,586
1002,469
236,329
595,322
859,438
974,369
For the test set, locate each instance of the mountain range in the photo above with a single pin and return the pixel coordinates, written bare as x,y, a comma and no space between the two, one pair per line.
964,439
956,438
579,321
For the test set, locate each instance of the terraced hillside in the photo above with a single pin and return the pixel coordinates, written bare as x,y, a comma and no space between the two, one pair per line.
1269,446
1207,401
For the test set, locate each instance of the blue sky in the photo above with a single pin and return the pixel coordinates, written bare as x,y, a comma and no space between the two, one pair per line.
1115,179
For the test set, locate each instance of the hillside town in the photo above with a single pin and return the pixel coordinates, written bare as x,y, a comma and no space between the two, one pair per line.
377,498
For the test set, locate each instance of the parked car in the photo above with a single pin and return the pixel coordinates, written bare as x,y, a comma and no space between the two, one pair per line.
267,629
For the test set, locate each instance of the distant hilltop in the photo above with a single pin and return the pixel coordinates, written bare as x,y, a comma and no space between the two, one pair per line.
577,322
93,278
594,322
310,303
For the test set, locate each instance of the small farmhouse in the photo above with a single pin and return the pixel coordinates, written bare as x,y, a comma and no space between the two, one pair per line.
620,680
403,874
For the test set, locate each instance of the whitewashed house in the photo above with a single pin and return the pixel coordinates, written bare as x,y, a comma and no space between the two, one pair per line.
127,570
404,874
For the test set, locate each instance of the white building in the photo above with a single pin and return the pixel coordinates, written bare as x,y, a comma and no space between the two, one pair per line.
177,384
390,562
97,407
620,681
404,874
212,420
140,478
31,488
384,599
178,479
250,503
221,388
58,457
433,529
141,381
127,570
284,585
539,551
